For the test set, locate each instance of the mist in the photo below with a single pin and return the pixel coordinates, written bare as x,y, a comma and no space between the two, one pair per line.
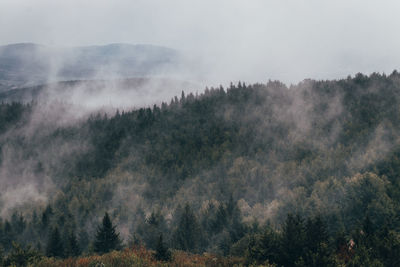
252,41
138,107
208,43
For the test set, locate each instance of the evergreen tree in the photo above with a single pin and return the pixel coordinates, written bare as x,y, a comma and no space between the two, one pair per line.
18,222
46,216
72,247
151,229
83,240
162,252
262,247
293,240
8,236
107,239
20,256
55,246
1,255
187,234
317,252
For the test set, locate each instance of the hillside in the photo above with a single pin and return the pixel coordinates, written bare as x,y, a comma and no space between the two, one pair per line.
90,95
27,64
216,172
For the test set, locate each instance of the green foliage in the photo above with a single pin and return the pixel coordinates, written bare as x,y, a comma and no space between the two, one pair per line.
162,252
1,256
55,246
319,148
263,247
187,234
21,257
150,229
293,240
72,248
107,239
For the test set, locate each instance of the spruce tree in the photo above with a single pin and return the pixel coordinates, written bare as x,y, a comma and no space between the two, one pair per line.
8,235
72,247
1,255
55,246
83,240
107,239
293,240
162,252
187,234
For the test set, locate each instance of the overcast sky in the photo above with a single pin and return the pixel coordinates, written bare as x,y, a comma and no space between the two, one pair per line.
250,40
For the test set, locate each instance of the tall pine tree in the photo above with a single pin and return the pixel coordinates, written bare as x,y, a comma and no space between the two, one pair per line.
162,252
72,248
107,239
187,234
55,246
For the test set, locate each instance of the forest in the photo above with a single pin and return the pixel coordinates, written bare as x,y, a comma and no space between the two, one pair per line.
252,174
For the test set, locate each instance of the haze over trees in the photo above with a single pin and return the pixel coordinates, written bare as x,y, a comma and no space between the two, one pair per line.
28,64
305,175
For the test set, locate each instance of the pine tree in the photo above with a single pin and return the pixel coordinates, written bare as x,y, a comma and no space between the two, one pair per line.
293,240
72,247
55,246
1,255
20,256
107,239
46,215
8,235
83,240
162,252
317,250
187,234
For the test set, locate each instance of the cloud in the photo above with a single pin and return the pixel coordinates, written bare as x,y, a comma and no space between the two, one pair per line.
235,39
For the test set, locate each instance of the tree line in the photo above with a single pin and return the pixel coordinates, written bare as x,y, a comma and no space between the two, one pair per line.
239,155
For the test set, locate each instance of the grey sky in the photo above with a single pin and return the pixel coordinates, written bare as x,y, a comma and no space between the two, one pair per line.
251,40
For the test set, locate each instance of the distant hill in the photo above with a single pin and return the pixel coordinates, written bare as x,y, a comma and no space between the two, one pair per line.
120,93
28,64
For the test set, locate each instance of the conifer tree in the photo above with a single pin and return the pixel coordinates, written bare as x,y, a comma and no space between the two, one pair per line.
1,255
8,235
187,234
107,239
72,247
55,246
83,240
46,215
162,252
293,240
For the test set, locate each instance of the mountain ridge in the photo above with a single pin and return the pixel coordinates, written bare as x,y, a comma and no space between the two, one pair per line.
26,64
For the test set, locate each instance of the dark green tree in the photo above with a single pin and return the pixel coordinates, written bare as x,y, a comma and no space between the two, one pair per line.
1,255
293,240
150,229
317,250
20,256
267,247
46,216
83,240
107,239
187,233
72,248
55,247
162,252
8,236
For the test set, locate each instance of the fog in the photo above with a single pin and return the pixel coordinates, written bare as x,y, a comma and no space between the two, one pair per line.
220,42
230,40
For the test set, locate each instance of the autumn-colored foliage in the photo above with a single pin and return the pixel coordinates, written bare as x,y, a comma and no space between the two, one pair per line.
139,256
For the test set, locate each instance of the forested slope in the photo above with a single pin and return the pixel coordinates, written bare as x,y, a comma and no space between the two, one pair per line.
213,168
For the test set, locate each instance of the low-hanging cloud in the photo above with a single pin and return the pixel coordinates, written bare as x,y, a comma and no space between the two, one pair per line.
231,40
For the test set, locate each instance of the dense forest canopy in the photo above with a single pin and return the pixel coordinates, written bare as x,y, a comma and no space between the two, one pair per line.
210,172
